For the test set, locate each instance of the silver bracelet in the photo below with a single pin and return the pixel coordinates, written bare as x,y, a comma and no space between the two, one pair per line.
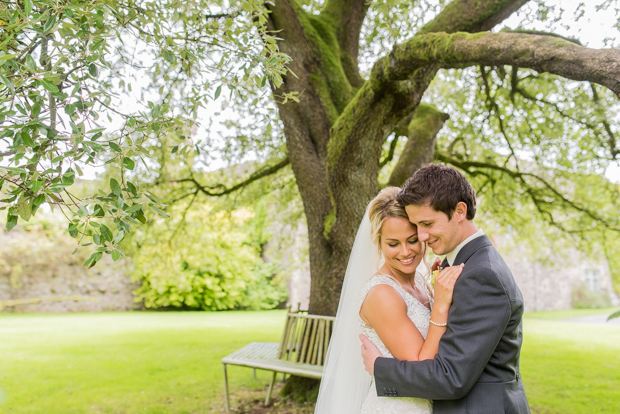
441,325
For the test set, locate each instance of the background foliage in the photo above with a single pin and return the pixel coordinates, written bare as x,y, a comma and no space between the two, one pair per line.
66,74
156,95
205,259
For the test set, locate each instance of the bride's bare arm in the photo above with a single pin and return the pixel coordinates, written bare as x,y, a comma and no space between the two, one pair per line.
386,311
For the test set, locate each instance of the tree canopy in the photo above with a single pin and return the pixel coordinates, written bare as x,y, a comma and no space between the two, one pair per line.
345,95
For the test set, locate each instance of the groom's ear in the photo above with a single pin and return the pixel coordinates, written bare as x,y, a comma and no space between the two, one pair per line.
460,212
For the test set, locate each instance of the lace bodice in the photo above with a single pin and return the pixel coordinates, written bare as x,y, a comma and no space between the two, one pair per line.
417,312
419,315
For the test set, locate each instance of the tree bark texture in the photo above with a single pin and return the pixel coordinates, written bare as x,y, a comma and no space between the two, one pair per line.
336,132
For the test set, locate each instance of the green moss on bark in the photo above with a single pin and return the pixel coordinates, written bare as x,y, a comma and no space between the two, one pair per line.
330,81
344,126
328,223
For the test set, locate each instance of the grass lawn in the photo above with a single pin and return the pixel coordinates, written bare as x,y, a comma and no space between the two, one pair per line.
151,362
137,362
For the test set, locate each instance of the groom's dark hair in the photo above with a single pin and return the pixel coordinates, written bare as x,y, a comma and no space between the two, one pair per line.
440,187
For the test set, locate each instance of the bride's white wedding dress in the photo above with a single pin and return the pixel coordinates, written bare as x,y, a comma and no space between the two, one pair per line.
419,315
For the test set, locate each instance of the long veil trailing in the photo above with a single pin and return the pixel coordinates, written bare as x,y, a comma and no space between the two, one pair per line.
345,383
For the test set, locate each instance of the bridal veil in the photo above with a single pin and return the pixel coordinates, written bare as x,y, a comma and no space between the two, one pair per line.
345,383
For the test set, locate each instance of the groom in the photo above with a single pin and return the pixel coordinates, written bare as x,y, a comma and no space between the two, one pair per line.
477,367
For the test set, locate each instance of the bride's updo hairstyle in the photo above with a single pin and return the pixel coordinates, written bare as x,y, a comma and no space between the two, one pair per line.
382,207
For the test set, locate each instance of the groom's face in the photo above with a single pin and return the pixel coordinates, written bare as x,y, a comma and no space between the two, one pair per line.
435,228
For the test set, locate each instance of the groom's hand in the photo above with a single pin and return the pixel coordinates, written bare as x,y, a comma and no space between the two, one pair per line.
370,353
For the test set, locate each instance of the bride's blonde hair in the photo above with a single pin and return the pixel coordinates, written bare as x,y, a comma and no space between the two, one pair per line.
382,207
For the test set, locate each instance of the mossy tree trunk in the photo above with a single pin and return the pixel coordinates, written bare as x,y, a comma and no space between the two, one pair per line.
335,133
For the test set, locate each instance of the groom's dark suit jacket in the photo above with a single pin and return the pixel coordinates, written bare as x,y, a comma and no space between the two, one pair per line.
477,368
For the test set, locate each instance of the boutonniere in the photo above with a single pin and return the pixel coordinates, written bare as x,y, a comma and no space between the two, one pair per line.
434,274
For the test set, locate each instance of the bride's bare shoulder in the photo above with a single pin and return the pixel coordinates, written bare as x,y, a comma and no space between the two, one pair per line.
383,298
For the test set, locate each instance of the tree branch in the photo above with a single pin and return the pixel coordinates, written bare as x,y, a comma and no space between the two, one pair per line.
533,192
347,17
472,15
418,151
390,155
541,53
541,33
223,190
611,138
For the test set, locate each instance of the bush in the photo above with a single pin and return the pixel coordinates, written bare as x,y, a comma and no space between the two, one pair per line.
584,298
205,261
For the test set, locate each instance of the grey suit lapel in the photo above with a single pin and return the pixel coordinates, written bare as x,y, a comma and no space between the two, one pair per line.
470,248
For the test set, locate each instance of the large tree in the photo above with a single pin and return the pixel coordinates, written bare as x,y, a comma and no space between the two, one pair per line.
528,136
336,132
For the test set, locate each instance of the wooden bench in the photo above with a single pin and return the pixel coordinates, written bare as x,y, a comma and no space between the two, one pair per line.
301,351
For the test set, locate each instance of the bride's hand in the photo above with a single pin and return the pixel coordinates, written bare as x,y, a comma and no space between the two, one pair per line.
444,285
436,264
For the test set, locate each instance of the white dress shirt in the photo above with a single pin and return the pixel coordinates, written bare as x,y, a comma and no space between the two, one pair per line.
452,255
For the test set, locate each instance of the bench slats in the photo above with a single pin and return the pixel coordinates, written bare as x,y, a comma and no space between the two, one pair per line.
301,351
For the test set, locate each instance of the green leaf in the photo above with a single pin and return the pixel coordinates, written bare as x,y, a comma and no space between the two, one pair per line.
30,63
11,222
132,188
94,145
7,82
24,209
93,70
115,187
134,208
82,211
27,7
106,234
119,237
40,199
152,198
116,255
614,315
16,170
69,177
161,213
26,138
169,56
36,110
141,217
114,146
217,92
6,56
49,86
98,211
72,229
128,163
93,259
36,186
49,24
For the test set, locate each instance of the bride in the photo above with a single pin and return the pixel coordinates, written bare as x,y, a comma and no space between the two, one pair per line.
385,298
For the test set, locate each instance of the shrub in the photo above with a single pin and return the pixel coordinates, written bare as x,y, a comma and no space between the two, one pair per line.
584,298
205,261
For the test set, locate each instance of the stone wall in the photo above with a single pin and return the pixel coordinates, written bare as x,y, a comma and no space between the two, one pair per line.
38,273
555,283
37,266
